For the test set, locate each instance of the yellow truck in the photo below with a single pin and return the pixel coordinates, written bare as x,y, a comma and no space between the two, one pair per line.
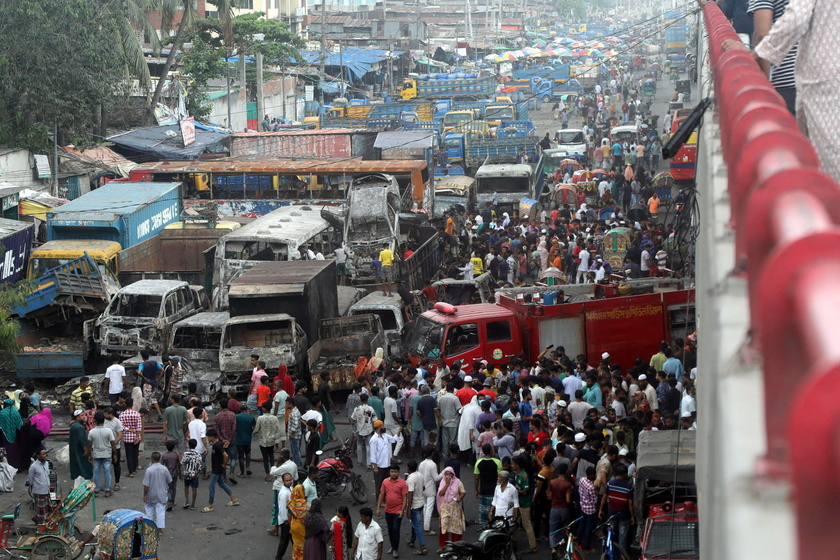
56,253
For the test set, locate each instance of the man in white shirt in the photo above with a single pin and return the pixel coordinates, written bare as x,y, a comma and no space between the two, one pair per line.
198,431
450,409
505,499
281,500
688,405
367,541
380,453
650,392
392,418
416,501
115,375
571,385
583,266
429,469
646,262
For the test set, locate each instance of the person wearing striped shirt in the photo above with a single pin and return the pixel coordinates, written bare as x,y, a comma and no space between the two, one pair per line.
618,501
765,13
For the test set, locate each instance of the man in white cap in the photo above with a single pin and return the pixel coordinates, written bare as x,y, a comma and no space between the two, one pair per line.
466,393
649,391
605,358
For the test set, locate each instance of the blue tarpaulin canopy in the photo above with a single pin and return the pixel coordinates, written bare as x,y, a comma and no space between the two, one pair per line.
357,61
164,142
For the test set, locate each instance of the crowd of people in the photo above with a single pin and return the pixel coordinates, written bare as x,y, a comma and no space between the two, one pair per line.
541,439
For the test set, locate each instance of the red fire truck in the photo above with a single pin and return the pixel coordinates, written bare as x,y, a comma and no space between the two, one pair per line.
625,326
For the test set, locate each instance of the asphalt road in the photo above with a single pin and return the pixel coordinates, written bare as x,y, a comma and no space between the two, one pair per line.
228,532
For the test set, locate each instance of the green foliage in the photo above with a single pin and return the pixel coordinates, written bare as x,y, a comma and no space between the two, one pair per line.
278,45
201,64
58,64
575,10
11,295
206,59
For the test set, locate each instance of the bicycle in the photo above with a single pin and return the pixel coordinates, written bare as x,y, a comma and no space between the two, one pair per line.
572,550
612,550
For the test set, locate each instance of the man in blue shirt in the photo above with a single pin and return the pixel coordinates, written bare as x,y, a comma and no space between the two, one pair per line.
672,365
618,499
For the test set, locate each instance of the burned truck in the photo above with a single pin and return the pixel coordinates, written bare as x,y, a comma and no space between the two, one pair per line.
141,315
277,338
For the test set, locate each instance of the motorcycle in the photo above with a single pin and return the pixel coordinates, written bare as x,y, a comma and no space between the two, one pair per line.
495,542
336,474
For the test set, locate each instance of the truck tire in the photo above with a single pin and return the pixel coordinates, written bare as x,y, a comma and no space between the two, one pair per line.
546,99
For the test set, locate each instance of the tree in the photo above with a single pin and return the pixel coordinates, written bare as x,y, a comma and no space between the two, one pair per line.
573,9
190,13
58,68
202,63
206,59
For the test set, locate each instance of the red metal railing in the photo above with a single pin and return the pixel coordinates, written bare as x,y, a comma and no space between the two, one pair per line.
786,216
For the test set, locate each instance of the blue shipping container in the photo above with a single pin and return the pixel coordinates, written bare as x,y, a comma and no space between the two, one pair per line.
16,241
127,213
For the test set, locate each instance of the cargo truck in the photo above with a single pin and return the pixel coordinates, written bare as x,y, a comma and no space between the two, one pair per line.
126,213
444,86
306,290
477,150
552,90
173,254
504,185
676,38
69,293
16,244
277,338
588,75
626,327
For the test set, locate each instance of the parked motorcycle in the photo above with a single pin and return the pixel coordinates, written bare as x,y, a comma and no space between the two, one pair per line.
336,474
495,542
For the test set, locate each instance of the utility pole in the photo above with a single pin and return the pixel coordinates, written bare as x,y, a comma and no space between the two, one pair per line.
260,102
323,46
468,31
227,79
243,87
55,159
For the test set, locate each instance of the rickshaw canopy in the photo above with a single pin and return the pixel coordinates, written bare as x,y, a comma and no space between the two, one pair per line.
126,534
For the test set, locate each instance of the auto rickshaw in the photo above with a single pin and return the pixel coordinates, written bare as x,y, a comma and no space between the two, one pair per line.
126,534
608,213
615,244
529,209
649,88
581,176
565,193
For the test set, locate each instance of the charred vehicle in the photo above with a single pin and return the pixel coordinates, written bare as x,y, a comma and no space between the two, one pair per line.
277,338
141,316
371,222
340,343
197,340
